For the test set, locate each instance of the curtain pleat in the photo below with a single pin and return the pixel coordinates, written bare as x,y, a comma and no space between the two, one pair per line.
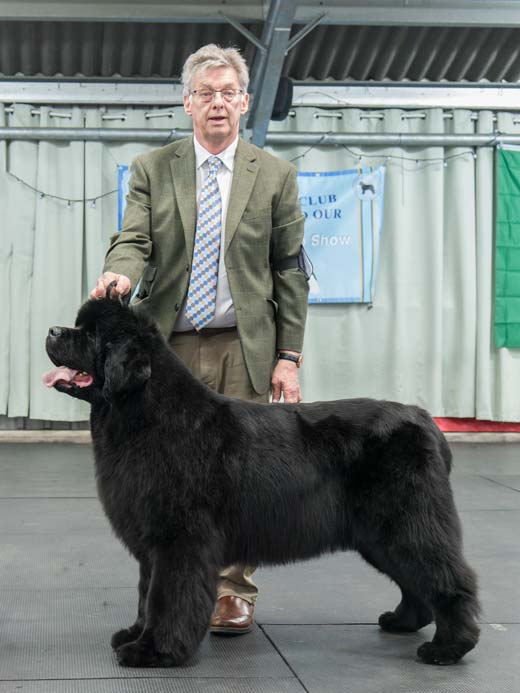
18,220
57,257
6,254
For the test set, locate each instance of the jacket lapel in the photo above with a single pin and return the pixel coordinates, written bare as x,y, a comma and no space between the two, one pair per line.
183,173
244,176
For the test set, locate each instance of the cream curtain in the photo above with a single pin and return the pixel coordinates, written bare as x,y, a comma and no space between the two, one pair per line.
427,339
41,250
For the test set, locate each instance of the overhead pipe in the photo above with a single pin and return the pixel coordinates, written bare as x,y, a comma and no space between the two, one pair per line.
165,136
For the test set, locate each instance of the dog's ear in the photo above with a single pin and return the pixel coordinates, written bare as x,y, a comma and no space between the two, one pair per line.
127,367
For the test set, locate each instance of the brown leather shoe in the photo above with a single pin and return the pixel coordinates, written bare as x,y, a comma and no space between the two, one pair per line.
232,616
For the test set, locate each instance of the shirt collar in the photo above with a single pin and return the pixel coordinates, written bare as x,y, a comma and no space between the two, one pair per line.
227,156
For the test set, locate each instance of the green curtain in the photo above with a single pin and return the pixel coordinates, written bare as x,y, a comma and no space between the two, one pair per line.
507,249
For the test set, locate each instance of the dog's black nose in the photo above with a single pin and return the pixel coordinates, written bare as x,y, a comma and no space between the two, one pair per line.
55,331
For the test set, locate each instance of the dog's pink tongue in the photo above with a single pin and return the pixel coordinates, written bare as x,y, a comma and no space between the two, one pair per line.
62,373
66,375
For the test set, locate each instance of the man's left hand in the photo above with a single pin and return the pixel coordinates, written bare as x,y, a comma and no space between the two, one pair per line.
285,381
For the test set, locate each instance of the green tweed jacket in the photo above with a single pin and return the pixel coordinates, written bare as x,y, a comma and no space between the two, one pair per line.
264,225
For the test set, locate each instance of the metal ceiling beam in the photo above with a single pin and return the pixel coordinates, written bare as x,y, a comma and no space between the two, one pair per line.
331,97
305,30
132,11
416,12
267,66
90,93
347,12
408,96
244,31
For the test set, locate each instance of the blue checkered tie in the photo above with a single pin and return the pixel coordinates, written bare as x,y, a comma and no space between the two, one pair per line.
202,291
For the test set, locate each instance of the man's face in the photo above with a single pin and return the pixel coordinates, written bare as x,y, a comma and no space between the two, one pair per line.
216,124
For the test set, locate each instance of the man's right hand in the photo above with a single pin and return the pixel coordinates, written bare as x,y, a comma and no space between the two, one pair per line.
121,288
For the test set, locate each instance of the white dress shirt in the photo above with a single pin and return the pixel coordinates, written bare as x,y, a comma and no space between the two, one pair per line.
224,311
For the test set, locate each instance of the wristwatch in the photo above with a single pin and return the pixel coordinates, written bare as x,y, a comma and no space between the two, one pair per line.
298,360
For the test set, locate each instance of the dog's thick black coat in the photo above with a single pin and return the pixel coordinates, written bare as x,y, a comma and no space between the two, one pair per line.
192,481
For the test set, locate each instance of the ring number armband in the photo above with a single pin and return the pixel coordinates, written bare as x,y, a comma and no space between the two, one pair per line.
301,261
291,357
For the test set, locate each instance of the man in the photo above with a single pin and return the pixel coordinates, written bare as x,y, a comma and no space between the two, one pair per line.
212,230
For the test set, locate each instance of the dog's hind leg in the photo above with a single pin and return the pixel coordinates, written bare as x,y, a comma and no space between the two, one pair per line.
121,637
412,613
456,608
447,589
181,598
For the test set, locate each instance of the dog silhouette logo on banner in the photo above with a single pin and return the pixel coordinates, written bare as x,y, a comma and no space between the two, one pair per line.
368,185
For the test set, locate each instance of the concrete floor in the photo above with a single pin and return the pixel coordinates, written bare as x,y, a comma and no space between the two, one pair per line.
66,584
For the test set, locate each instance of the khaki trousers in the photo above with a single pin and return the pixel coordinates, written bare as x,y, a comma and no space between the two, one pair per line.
215,357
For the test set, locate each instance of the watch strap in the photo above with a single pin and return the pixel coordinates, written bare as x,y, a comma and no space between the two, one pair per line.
291,357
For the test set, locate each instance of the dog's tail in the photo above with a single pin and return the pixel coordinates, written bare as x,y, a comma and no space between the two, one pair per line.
445,451
440,440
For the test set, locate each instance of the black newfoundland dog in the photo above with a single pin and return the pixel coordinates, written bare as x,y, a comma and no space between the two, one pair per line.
192,481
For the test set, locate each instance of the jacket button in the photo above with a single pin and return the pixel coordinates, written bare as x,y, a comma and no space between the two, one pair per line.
177,307
187,268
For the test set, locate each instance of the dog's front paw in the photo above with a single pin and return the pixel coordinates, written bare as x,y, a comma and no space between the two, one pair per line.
122,637
142,654
432,653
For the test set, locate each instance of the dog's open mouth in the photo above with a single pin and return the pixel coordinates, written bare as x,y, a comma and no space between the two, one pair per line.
67,377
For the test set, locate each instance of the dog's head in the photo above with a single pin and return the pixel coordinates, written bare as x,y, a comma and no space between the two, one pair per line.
106,354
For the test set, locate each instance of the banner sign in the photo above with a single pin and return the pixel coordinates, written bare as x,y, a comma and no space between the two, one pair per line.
343,212
123,178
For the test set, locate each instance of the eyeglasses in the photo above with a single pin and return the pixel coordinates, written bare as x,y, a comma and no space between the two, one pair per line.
207,95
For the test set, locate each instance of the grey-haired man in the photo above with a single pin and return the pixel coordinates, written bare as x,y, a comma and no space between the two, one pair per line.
252,343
